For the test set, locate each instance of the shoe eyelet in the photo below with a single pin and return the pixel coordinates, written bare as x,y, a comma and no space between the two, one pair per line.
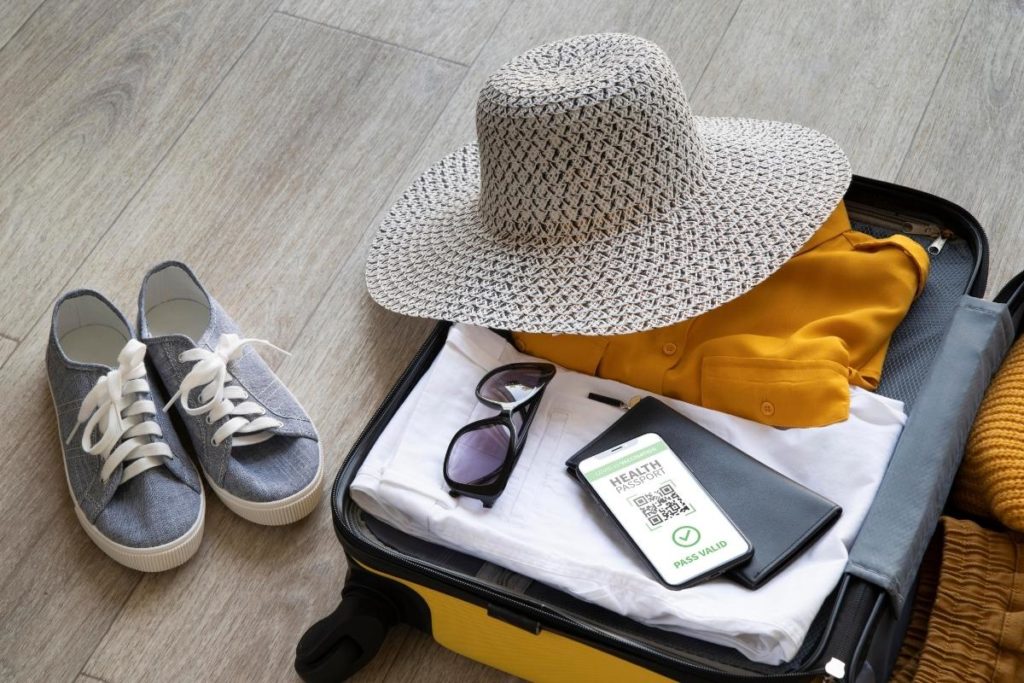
214,442
180,359
208,420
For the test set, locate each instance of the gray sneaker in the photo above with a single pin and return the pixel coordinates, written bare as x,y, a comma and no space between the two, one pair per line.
136,493
256,445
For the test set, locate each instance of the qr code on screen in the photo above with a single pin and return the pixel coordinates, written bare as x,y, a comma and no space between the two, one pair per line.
662,504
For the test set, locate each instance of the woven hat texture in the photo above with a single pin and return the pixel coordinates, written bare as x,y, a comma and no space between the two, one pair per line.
595,202
990,482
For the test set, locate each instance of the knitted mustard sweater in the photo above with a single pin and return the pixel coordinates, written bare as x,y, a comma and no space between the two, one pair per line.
991,480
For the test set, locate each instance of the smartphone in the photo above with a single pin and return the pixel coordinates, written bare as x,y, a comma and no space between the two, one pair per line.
665,513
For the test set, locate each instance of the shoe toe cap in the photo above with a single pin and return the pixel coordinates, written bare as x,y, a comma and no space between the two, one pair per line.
272,470
150,510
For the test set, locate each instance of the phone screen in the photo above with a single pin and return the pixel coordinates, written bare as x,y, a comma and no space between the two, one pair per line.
665,512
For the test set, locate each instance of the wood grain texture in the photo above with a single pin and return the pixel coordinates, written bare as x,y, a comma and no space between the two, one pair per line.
266,195
860,71
7,347
85,678
77,153
970,145
58,34
14,14
450,29
58,592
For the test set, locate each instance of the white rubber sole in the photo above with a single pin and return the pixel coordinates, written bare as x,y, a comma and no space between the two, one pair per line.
277,512
158,558
287,510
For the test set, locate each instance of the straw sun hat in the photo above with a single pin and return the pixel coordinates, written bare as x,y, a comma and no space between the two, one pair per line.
594,202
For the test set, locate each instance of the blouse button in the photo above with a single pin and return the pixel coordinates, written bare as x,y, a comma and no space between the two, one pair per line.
669,349
767,408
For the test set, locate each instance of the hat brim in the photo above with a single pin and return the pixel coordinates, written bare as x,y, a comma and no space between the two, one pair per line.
772,187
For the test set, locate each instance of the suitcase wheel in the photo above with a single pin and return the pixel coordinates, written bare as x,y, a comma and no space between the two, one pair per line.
342,643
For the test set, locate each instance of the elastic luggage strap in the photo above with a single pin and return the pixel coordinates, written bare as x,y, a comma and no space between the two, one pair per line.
913,492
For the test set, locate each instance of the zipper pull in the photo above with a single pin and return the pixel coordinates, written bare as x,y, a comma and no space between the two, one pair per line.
908,226
920,228
835,670
928,230
936,246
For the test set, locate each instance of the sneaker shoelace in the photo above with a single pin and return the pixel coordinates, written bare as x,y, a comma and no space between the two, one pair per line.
248,423
116,411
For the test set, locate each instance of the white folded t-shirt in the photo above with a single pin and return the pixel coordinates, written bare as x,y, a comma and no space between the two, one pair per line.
546,527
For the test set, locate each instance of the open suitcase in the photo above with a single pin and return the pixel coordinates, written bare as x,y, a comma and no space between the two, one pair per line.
940,362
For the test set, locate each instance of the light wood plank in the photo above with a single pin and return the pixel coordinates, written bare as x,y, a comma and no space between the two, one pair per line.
860,71
450,29
86,678
265,196
7,347
970,144
58,592
281,174
79,151
59,34
15,13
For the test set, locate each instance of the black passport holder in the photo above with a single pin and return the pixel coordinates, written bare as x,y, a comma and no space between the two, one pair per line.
777,515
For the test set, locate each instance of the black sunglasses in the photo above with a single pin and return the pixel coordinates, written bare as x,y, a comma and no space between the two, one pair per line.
482,455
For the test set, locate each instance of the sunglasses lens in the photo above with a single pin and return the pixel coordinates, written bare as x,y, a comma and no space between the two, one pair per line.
514,384
477,455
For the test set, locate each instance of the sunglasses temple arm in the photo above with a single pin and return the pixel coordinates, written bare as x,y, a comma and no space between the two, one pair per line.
609,401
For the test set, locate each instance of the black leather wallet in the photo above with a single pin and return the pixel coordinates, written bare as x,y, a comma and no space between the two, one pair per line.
779,516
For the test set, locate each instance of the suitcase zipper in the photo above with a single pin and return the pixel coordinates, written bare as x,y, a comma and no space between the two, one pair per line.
568,624
868,193
904,224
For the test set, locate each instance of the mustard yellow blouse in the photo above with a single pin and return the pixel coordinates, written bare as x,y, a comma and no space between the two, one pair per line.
782,354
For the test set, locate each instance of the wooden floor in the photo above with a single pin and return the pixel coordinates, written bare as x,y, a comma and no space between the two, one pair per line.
261,140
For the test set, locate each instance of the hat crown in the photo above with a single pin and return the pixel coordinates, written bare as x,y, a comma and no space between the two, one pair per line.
586,134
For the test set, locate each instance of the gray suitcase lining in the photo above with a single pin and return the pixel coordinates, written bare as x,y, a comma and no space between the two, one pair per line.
899,525
948,341
940,361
